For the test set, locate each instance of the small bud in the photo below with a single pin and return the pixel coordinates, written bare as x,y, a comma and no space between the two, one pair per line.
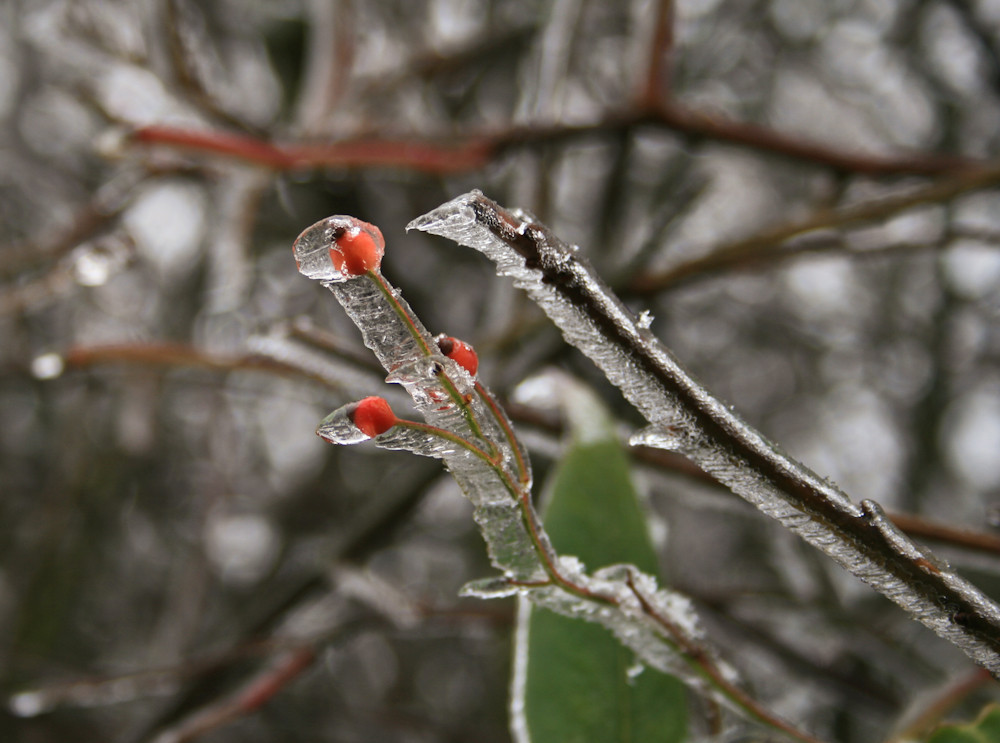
460,352
373,416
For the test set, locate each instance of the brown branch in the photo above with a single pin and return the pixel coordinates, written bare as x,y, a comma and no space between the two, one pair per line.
252,695
423,157
180,355
474,151
935,709
756,246
656,86
935,531
913,526
754,136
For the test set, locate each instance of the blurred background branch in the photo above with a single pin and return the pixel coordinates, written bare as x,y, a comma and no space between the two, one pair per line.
163,366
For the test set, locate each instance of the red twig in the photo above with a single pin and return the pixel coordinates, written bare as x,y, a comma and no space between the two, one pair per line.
935,709
475,151
248,698
407,154
180,355
697,123
657,83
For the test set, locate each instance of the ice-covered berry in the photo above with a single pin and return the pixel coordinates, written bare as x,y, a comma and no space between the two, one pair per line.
373,416
358,250
460,352
338,248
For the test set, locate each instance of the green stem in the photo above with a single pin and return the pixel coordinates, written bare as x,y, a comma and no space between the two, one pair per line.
418,336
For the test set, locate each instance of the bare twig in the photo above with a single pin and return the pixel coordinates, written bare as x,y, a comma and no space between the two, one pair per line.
763,245
406,154
180,355
657,84
934,710
475,150
252,695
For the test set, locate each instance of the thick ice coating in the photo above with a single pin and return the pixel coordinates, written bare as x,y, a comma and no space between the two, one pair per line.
687,418
337,248
471,434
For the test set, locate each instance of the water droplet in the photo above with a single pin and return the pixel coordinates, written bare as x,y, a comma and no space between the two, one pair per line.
47,366
339,428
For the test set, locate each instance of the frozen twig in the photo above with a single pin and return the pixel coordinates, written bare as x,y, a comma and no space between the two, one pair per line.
687,418
468,430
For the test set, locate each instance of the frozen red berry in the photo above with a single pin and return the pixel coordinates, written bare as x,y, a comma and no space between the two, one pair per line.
358,249
373,416
460,352
337,248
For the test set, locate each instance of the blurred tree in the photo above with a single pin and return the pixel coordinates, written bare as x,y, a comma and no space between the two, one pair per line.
802,193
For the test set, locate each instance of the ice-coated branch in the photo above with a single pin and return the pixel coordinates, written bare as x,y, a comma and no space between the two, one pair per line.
467,429
687,418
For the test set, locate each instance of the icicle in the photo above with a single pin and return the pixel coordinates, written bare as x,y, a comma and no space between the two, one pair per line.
688,419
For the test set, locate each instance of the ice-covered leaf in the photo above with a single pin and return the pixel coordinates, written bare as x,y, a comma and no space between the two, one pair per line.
575,680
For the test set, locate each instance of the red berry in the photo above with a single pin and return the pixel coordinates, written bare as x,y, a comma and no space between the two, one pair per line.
373,416
357,250
459,352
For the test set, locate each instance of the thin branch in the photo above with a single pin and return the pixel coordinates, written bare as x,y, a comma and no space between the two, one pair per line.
717,128
657,84
329,62
935,531
475,150
180,355
935,710
255,693
183,356
763,244
189,83
416,155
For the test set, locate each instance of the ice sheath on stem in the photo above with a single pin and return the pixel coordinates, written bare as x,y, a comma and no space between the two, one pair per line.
466,428
687,418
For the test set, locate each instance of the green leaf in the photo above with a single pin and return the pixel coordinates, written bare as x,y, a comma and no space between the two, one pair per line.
576,685
986,729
